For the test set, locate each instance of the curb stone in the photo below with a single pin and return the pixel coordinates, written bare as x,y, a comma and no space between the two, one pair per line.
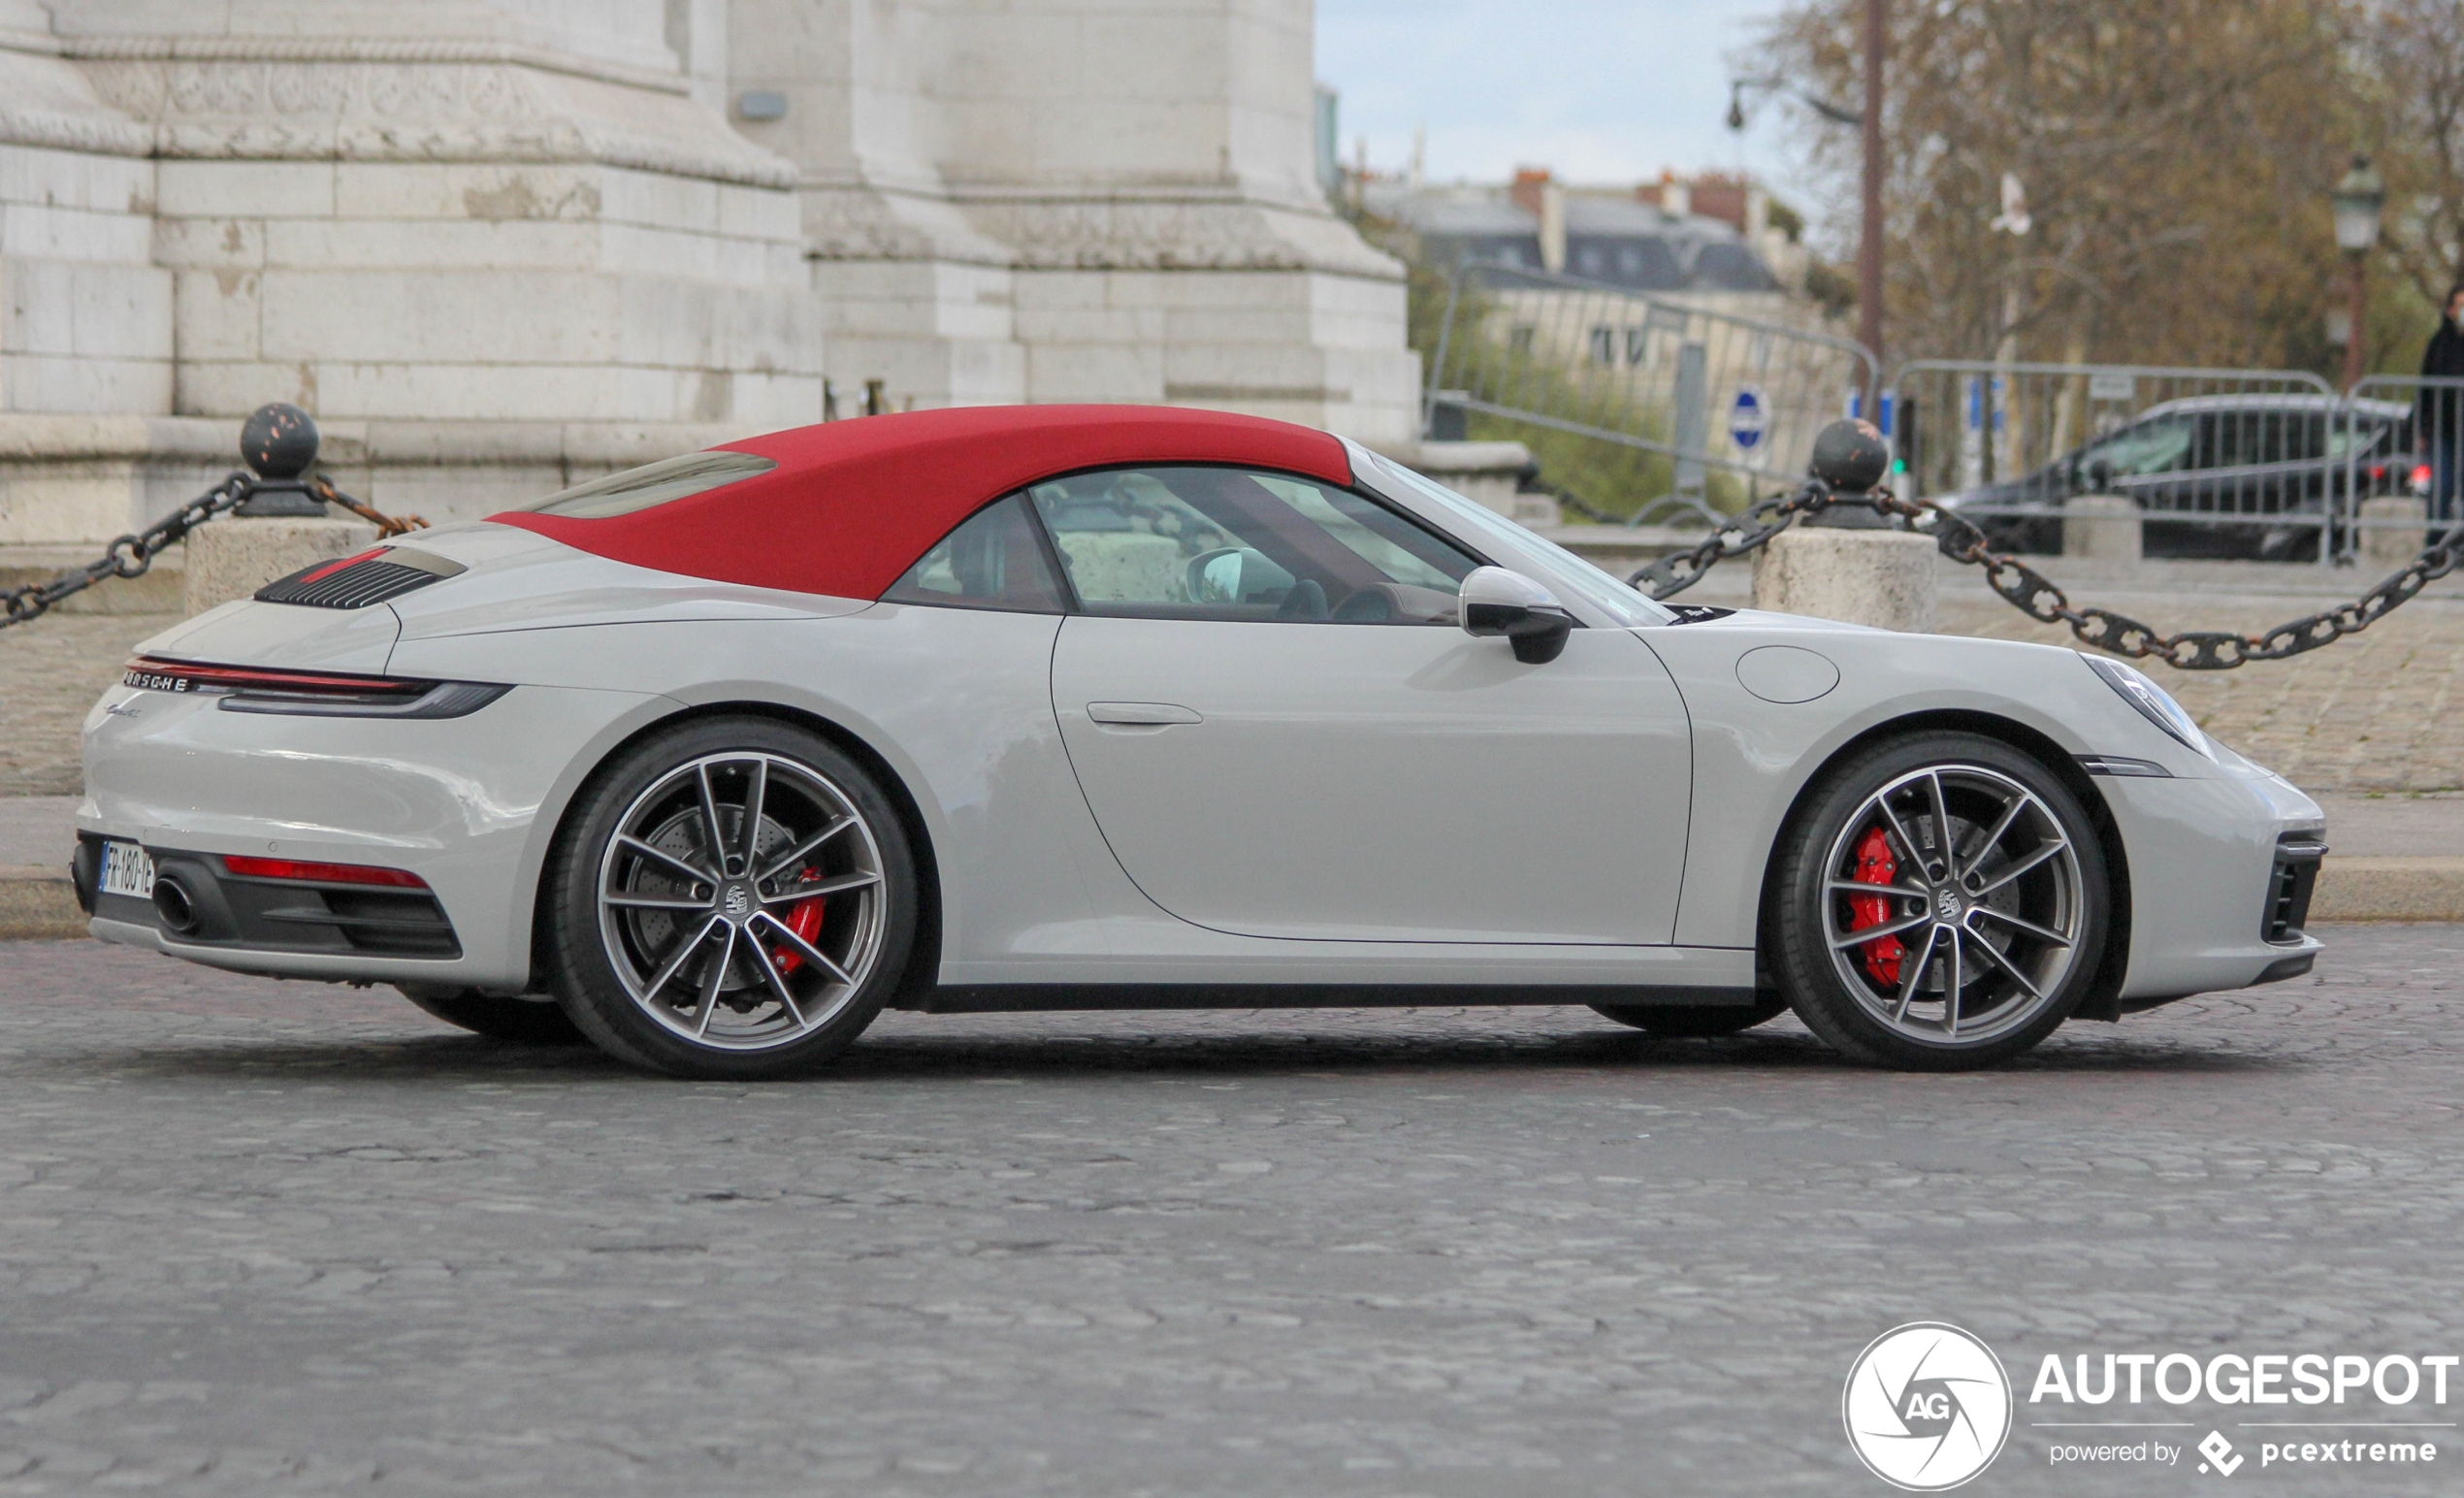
2389,888
38,904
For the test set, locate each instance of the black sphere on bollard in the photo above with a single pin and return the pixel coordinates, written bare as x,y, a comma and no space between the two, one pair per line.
279,440
1850,456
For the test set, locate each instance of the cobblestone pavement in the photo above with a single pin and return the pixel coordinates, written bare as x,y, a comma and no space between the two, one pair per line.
51,672
265,1238
2382,710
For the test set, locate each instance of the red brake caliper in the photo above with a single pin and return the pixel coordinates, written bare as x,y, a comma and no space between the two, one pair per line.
804,919
1876,866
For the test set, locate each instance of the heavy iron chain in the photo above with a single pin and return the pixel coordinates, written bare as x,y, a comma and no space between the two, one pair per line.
2035,593
131,556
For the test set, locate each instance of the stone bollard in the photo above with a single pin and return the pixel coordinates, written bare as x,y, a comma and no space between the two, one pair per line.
236,555
1883,578
2399,542
2103,526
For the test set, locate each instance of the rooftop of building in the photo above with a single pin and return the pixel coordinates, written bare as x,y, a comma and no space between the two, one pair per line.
1619,235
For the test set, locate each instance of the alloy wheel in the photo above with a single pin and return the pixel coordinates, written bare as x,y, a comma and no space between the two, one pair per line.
741,902
1953,906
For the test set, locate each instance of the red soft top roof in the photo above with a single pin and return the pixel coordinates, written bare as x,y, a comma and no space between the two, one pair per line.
853,504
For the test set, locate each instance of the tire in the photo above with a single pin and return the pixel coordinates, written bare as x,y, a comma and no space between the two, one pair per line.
526,1021
679,945
2014,920
1704,1021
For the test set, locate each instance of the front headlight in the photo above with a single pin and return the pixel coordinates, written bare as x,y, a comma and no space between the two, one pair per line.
2154,703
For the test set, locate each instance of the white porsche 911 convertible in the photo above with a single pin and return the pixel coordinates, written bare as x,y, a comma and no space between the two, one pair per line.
1058,707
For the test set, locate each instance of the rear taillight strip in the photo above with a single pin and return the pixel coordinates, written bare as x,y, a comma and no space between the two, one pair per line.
153,673
312,694
442,700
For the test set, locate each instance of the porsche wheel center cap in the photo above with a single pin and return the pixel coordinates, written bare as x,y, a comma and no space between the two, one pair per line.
737,901
1947,905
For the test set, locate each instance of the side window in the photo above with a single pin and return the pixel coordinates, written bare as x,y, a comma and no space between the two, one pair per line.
1224,543
992,559
2240,439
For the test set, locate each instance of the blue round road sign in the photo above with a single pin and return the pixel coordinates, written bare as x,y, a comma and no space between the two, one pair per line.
1745,417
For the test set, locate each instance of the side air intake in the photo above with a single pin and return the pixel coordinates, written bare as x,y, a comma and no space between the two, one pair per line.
356,582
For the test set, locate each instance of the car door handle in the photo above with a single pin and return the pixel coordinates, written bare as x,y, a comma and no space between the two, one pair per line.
1154,715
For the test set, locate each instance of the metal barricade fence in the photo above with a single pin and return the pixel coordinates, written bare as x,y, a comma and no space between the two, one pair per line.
1731,401
2239,461
2401,438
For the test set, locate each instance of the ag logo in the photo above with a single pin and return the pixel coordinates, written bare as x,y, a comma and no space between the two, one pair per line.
1927,1406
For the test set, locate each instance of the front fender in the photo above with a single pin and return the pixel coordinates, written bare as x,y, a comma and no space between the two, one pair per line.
1752,757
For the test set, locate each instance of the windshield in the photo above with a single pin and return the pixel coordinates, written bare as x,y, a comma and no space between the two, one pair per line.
2155,446
1482,524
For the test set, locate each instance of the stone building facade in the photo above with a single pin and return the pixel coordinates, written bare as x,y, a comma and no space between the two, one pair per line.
499,244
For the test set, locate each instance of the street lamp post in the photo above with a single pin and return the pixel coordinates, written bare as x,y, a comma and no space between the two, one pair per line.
2359,200
1870,232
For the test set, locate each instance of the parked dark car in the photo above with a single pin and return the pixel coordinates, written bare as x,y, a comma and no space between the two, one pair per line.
2234,469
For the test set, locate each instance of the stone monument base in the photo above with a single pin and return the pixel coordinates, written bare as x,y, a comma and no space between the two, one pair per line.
1883,578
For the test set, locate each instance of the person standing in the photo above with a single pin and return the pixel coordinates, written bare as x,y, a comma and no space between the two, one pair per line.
2438,412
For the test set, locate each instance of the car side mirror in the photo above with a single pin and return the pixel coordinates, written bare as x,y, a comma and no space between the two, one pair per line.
1500,603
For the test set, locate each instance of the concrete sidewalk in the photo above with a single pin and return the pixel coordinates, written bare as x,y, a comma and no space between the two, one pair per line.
2395,858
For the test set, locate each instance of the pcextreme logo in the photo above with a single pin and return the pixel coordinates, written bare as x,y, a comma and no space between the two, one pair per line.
1927,1406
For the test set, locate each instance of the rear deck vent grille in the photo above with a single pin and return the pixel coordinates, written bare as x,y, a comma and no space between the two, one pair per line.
358,581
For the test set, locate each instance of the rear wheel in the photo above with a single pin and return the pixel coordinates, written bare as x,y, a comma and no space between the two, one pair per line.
529,1022
1941,904
1696,1020
732,898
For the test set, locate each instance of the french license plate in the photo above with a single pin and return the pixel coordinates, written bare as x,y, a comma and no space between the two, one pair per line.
127,869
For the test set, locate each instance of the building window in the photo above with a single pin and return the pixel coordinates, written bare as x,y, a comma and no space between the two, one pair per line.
1604,344
1519,338
1638,345
1590,259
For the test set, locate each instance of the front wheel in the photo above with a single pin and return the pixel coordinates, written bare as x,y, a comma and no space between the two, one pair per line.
732,898
1941,904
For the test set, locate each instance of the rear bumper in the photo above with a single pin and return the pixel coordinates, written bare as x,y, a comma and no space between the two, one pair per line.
199,902
467,804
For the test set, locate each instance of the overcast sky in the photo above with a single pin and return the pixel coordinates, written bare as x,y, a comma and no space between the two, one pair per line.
1600,90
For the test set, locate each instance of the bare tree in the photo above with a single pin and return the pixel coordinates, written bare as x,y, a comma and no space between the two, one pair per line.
2175,154
2415,87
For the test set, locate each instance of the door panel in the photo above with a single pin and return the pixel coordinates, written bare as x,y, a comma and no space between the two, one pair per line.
1396,783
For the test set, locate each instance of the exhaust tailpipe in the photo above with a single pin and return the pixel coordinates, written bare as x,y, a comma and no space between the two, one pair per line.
176,905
